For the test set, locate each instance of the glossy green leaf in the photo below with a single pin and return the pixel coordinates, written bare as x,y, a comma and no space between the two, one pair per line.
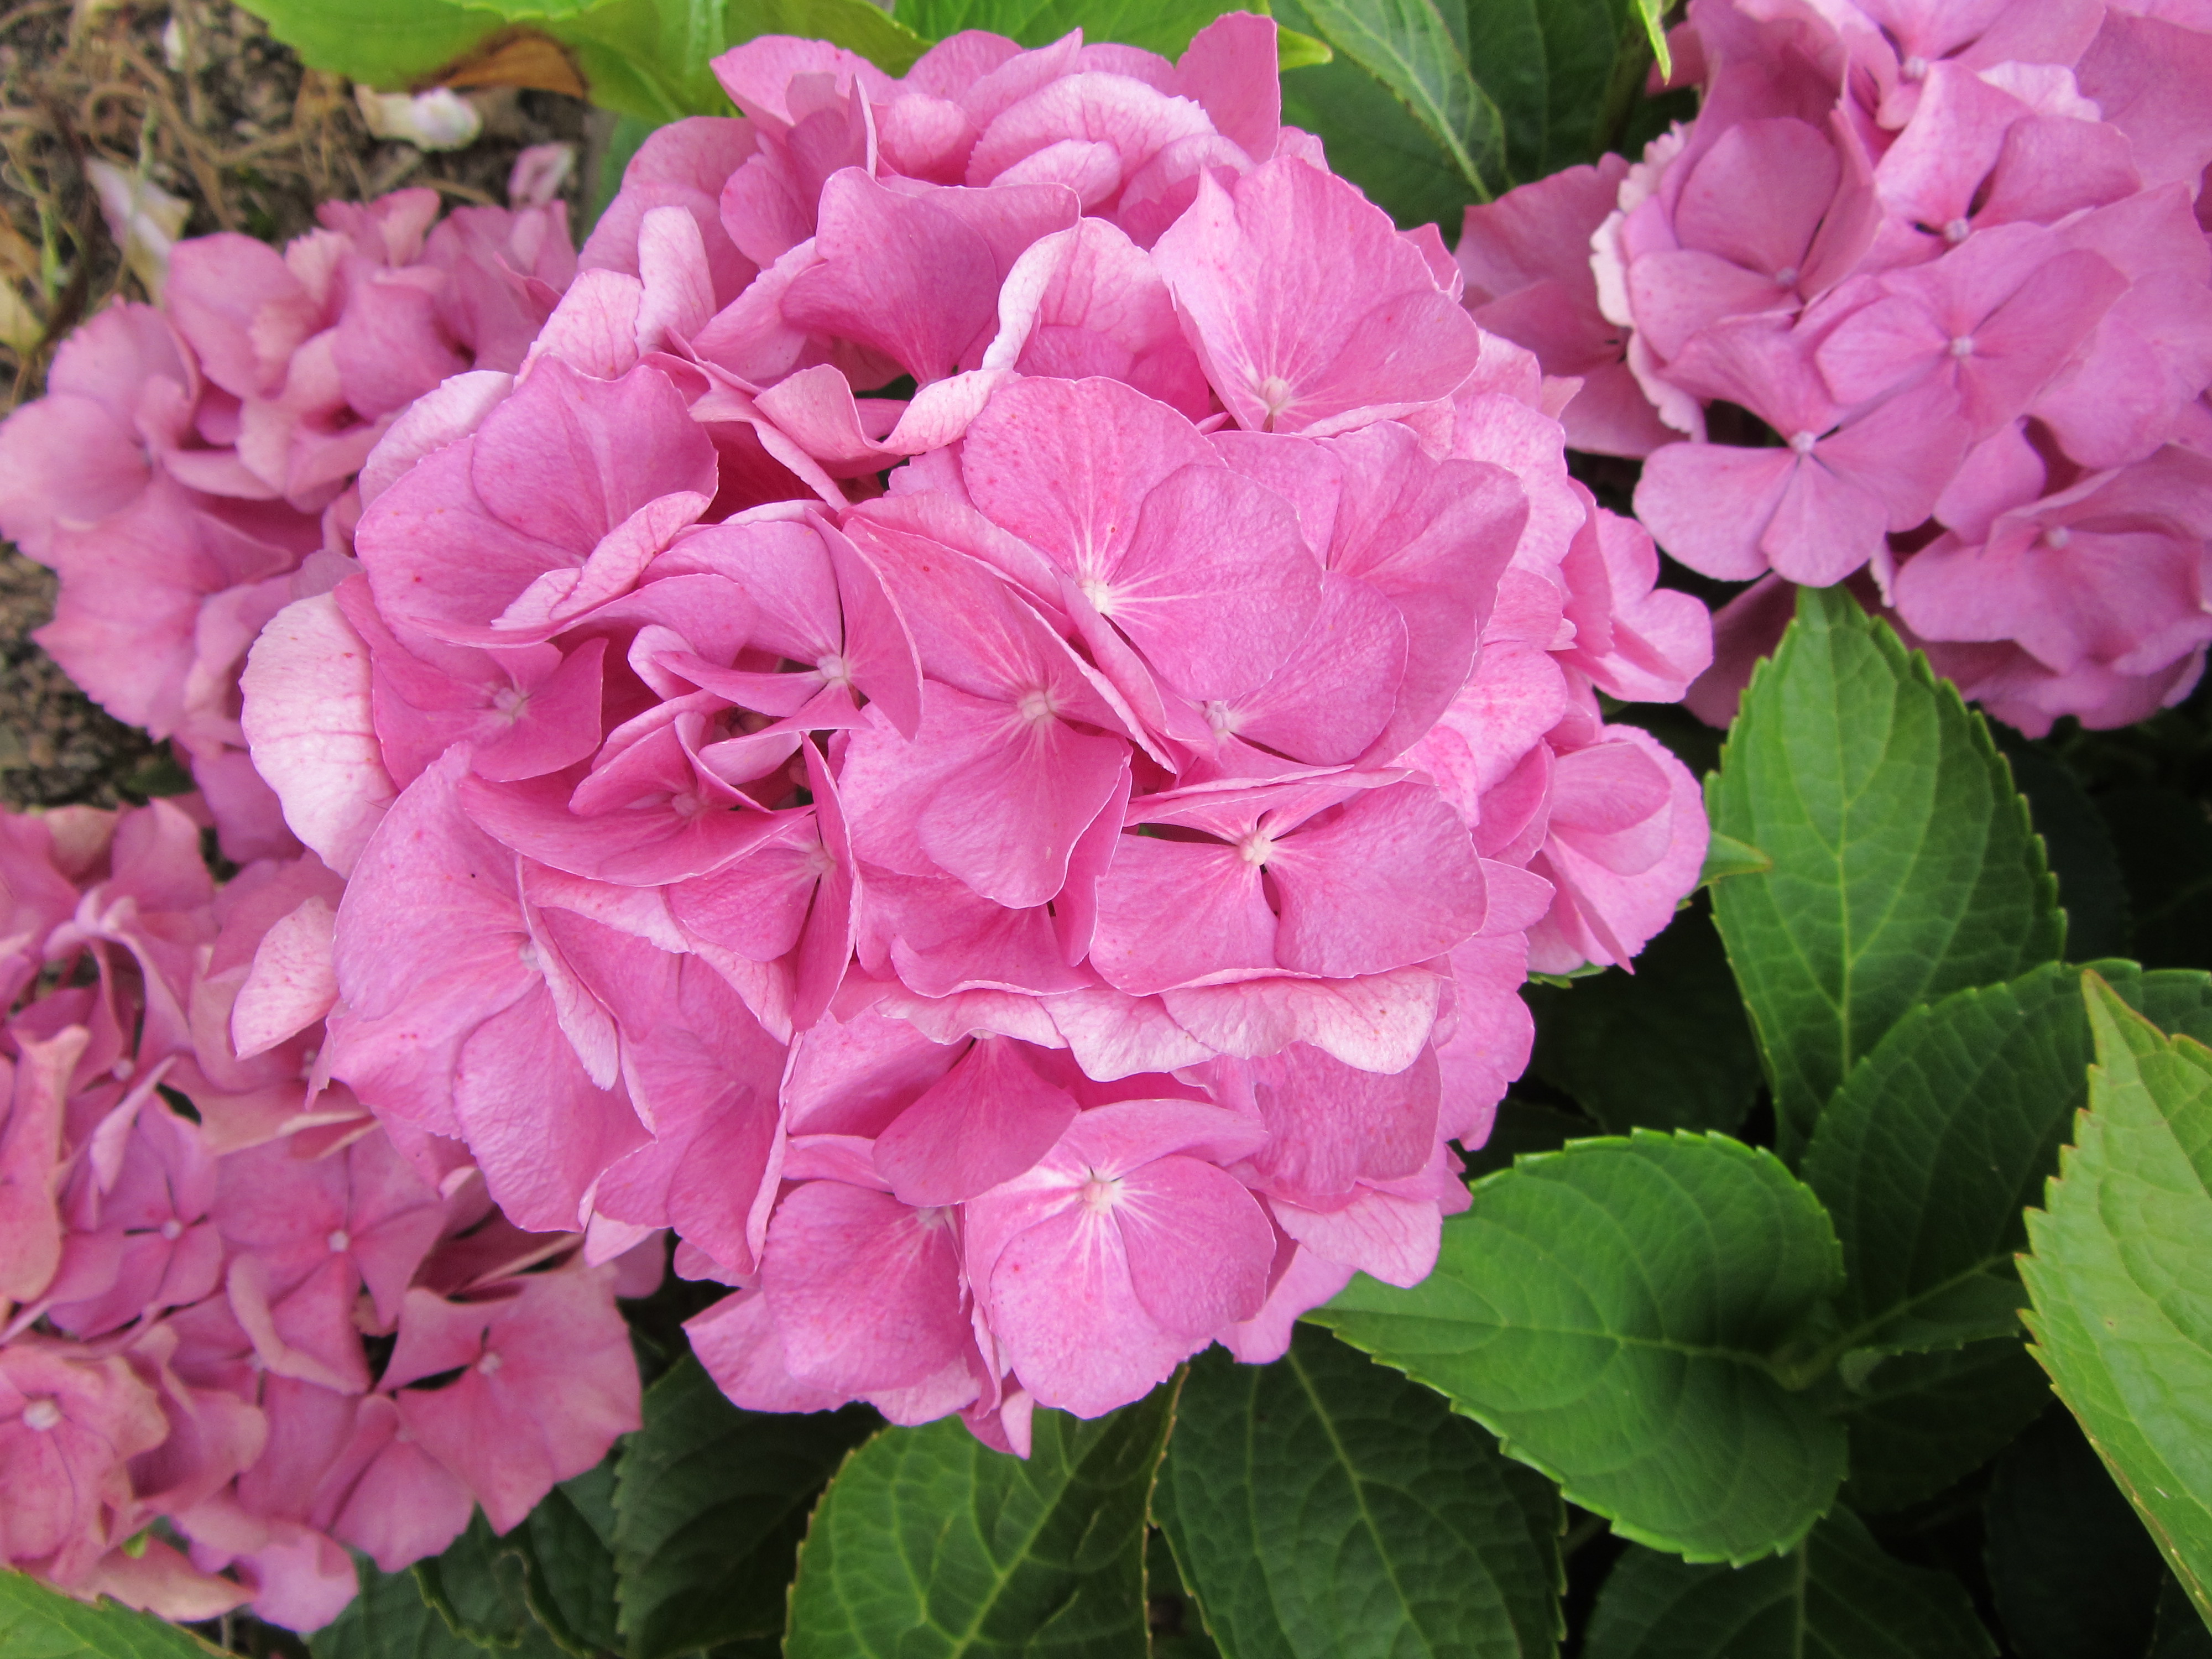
389,1620
1926,1159
1665,1048
1486,96
1416,50
1372,138
1614,1311
2123,1309
569,1547
1920,1422
1297,51
1161,26
2072,1571
1929,1153
928,1543
40,1623
710,1503
1905,866
1562,73
1838,1595
1324,1508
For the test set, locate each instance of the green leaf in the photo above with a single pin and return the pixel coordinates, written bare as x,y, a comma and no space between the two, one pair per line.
480,1584
2072,1569
1838,1597
1726,856
1296,50
1939,1141
1928,1154
37,1622
1612,1311
929,1543
1918,1422
1415,49
1372,138
1905,866
389,1620
1926,1159
1665,1048
1324,1508
2122,1316
387,43
710,1503
568,1545
1652,14
1162,26
1562,73
650,58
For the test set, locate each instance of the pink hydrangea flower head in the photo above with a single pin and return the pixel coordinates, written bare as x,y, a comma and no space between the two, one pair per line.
762,808
200,1235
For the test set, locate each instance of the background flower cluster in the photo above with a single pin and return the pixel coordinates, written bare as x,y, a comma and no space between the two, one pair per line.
1928,295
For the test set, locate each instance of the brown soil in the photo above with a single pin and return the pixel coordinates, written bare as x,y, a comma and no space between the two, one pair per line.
253,140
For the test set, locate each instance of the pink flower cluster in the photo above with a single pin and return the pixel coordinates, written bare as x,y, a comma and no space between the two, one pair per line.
241,1326
1952,256
1027,876
191,464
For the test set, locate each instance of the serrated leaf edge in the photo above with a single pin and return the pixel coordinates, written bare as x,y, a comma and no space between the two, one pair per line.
1620,1525
1825,611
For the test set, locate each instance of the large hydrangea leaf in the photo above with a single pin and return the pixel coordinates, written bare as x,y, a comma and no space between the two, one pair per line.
647,58
1162,26
1835,1596
1324,1508
568,1548
1904,866
710,1503
1417,49
2121,1318
1930,1151
1919,1421
480,1585
1432,104
39,1623
391,1620
930,1543
1619,1313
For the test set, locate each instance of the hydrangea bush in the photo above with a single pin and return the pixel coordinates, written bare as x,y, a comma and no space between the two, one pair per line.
943,761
